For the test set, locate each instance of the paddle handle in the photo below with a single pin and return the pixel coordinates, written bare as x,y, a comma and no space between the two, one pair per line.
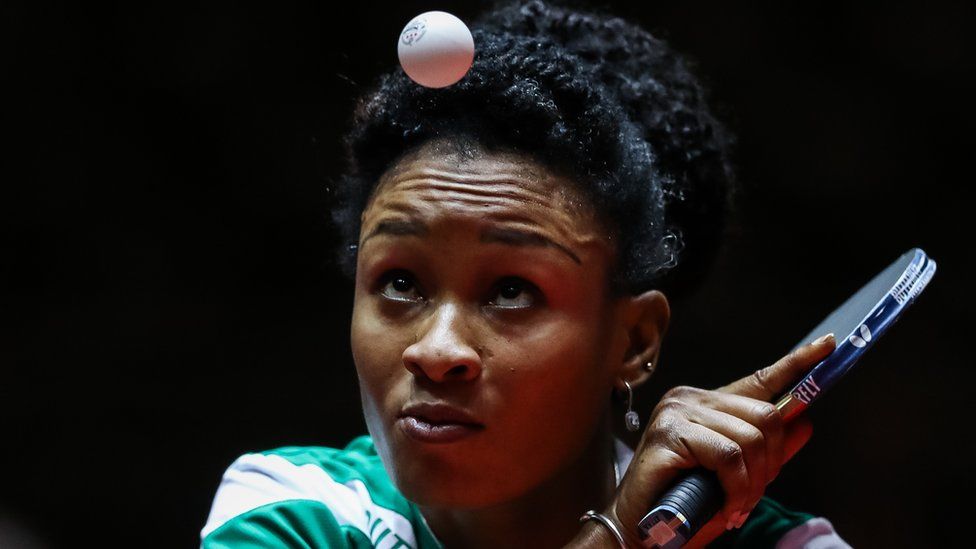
682,510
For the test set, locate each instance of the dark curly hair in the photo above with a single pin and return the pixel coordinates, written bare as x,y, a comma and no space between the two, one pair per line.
584,93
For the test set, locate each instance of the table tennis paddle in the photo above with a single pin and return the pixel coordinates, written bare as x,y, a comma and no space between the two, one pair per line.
695,498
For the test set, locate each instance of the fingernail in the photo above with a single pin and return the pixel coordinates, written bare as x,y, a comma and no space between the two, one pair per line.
823,339
742,520
733,520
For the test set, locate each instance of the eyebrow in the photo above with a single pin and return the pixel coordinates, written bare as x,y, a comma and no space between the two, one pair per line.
503,235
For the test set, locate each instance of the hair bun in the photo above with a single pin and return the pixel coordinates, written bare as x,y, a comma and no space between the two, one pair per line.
665,100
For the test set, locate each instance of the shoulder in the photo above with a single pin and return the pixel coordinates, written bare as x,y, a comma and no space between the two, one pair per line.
772,525
311,495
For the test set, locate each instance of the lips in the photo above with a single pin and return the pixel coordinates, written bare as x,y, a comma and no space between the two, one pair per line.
439,413
437,423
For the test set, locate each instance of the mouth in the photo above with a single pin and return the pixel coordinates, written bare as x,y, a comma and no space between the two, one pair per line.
437,423
436,433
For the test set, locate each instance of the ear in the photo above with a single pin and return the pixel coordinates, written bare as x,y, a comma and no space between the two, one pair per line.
645,320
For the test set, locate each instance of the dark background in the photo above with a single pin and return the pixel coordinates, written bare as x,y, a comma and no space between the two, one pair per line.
170,299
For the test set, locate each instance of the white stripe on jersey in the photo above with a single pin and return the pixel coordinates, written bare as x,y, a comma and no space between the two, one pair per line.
255,480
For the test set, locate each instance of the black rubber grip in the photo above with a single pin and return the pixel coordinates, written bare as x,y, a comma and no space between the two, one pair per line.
697,497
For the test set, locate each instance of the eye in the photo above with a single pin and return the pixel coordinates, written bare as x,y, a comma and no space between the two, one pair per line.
516,293
398,285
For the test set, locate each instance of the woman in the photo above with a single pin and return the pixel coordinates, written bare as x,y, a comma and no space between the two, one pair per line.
508,236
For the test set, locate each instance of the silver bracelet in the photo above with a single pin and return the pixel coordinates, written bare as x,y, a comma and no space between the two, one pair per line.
591,514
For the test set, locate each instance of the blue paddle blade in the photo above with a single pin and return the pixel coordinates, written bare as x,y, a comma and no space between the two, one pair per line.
859,323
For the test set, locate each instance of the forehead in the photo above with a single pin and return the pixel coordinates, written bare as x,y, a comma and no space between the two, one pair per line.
475,171
441,186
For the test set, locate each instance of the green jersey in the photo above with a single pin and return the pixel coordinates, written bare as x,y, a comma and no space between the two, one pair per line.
343,498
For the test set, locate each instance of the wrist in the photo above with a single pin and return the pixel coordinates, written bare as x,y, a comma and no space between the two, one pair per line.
627,528
610,525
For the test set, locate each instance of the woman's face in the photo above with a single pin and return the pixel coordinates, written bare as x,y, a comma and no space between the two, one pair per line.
482,284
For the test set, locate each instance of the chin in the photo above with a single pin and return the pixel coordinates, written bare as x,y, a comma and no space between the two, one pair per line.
452,475
442,491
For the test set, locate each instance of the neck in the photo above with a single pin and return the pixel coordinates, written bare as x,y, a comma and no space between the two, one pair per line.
546,516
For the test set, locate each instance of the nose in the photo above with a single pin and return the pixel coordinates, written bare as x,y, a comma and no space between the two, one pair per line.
443,352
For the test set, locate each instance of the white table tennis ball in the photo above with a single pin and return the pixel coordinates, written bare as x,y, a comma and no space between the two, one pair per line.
436,49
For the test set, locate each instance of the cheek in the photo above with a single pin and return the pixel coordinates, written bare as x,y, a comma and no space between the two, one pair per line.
377,354
555,375
547,392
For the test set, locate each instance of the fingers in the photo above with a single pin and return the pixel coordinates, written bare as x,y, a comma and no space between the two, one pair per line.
798,433
755,426
698,444
753,447
757,415
739,438
772,381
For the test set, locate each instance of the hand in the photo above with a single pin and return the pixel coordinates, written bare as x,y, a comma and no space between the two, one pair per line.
733,430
